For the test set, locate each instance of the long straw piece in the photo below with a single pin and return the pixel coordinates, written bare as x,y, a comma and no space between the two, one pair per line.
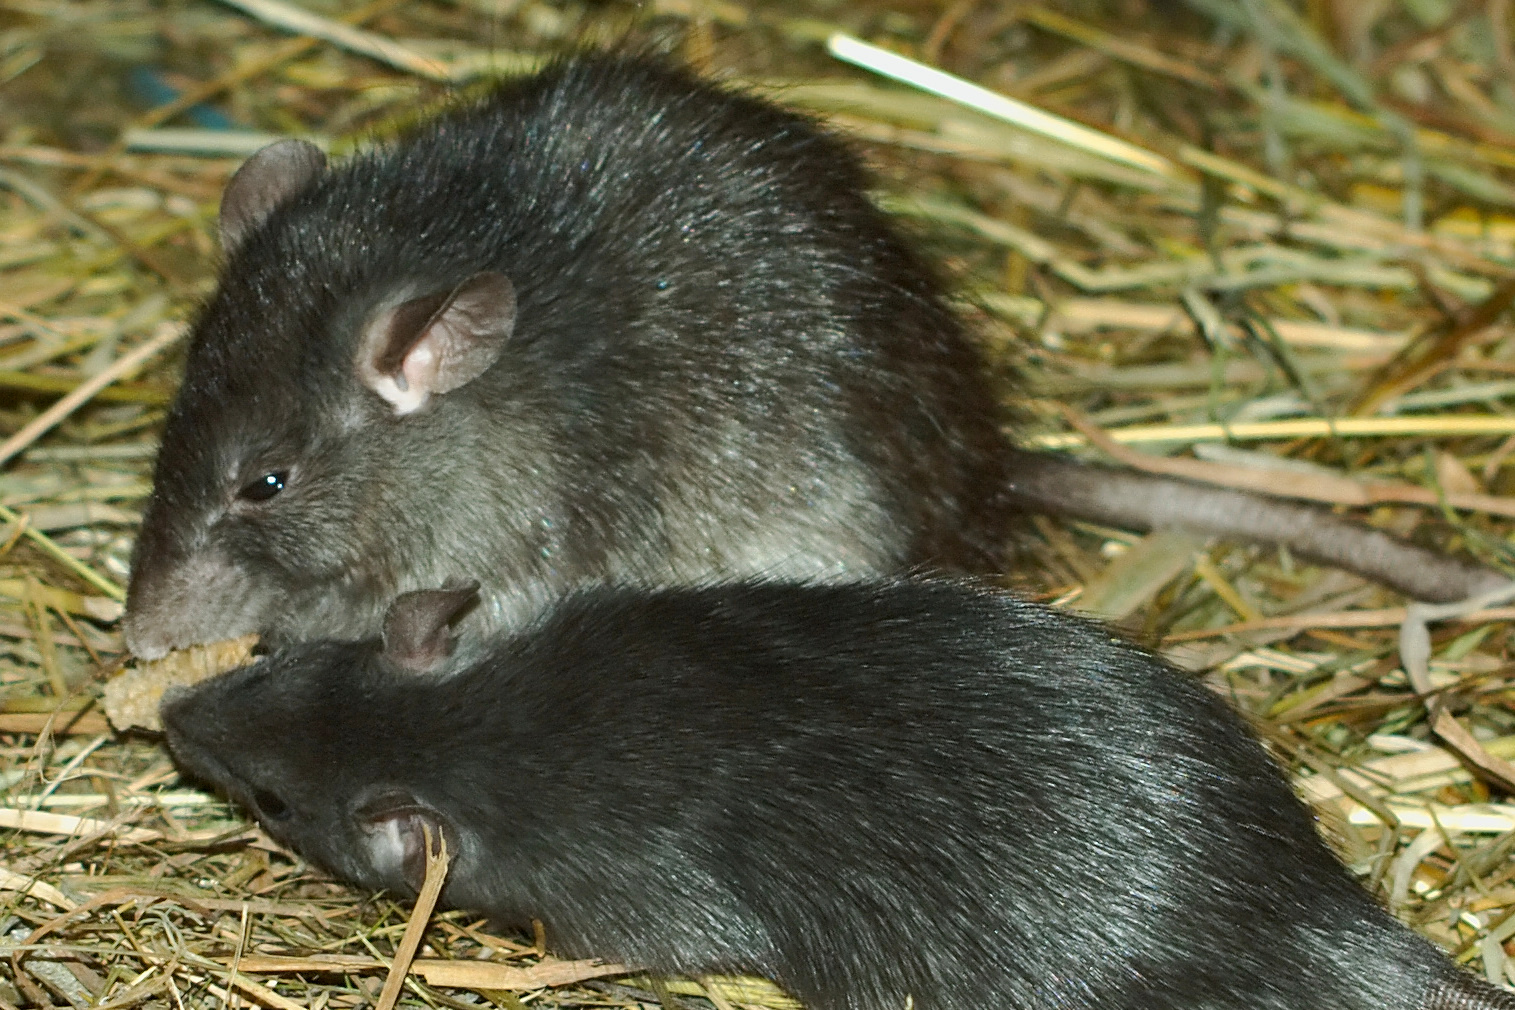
1027,117
67,560
123,366
370,44
1302,427
410,942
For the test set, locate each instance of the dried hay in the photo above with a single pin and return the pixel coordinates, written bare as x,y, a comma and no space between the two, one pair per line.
1303,271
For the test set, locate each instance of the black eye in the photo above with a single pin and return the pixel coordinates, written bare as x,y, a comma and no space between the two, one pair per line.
265,487
269,805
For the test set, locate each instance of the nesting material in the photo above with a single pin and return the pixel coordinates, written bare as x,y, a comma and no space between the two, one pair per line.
1321,290
132,697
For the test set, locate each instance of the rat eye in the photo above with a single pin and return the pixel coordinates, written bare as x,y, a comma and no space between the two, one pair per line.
265,487
269,805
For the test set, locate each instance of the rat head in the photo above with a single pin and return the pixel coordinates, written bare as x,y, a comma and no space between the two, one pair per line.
322,743
307,456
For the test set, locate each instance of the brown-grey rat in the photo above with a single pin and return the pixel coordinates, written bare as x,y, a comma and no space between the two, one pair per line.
611,322
870,793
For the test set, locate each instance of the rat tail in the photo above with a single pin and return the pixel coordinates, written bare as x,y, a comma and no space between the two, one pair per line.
1045,482
1461,990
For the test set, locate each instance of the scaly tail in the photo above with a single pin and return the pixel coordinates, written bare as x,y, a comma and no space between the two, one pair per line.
1058,485
1462,990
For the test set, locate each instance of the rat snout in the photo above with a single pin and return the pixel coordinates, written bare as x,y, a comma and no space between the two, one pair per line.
145,643
197,600
184,728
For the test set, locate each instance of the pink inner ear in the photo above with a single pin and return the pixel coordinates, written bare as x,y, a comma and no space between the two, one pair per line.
400,329
437,343
386,846
420,367
396,840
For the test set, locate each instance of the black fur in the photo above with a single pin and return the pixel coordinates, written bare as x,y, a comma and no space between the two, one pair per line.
722,362
864,792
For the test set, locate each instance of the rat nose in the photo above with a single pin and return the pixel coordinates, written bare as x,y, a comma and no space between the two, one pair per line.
194,601
144,642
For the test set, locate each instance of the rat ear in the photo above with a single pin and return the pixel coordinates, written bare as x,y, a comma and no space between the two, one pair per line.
264,181
417,635
438,342
391,824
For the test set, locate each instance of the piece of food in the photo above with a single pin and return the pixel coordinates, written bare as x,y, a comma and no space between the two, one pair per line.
132,696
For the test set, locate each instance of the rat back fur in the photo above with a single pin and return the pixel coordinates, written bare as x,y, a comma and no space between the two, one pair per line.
865,792
611,322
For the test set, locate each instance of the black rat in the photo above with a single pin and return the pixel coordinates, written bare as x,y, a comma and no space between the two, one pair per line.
865,792
612,321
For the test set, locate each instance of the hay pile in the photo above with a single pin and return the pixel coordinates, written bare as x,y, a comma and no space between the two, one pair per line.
1303,264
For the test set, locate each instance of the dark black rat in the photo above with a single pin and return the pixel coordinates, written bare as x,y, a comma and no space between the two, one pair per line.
866,792
611,322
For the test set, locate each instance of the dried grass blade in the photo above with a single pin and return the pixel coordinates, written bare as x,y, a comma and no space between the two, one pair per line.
459,974
73,564
22,884
1387,617
64,722
288,51
1496,769
1287,484
1027,117
370,44
1474,818
1302,427
436,874
1419,362
1121,49
257,993
1415,655
39,821
1140,573
168,333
